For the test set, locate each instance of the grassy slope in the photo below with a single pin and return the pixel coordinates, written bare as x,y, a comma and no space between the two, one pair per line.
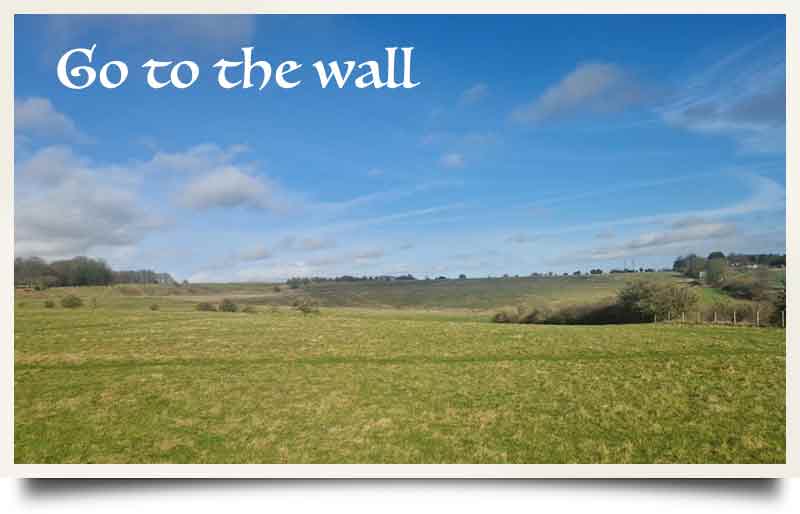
122,383
471,294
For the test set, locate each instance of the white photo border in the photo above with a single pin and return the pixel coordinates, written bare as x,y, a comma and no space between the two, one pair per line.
13,7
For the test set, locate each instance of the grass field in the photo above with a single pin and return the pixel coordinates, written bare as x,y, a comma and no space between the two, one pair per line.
121,383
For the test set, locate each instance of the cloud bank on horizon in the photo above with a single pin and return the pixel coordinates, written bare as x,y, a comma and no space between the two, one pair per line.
509,158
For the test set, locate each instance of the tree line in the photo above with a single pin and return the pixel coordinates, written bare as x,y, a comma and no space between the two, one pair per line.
296,282
37,273
717,270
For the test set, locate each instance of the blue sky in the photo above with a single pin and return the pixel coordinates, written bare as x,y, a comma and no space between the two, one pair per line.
533,143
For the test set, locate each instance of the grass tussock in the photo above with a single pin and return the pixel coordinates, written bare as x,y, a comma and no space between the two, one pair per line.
71,301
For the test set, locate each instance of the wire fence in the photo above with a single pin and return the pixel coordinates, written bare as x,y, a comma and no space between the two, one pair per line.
746,318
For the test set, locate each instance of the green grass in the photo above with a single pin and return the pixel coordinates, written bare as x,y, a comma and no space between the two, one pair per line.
122,383
473,294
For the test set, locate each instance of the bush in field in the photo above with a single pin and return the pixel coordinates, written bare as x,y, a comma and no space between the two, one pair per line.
154,307
724,309
227,305
637,302
505,317
49,304
249,309
653,299
277,289
206,307
71,302
755,287
306,305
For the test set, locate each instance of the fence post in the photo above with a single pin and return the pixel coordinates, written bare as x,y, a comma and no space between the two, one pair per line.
683,317
758,317
734,317
715,316
654,318
783,319
669,315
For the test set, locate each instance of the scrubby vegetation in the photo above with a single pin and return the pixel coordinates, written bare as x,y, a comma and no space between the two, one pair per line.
637,302
71,302
228,305
49,304
154,307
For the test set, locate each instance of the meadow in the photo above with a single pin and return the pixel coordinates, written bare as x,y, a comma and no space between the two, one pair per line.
384,373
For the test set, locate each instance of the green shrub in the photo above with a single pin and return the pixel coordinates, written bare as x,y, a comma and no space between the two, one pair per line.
49,304
71,302
638,302
227,305
653,299
746,288
205,306
505,316
154,307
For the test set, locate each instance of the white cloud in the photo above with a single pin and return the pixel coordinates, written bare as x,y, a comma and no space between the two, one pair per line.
256,253
593,87
230,187
522,239
368,255
65,205
201,158
38,117
660,239
474,94
53,165
452,160
306,244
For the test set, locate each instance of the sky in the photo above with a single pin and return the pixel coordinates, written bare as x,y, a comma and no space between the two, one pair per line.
531,144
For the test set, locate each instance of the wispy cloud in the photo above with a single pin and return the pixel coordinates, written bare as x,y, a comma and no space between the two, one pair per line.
660,240
452,160
474,94
255,253
766,195
594,87
38,117
741,96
